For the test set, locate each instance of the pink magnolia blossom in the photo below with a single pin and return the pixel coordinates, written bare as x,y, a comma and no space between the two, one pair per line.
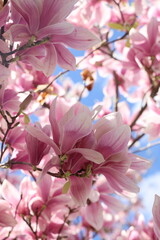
54,30
145,47
98,149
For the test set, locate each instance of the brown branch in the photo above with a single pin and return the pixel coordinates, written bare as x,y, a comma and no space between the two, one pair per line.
136,139
138,115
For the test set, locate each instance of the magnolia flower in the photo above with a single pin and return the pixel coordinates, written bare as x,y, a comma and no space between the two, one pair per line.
82,149
45,21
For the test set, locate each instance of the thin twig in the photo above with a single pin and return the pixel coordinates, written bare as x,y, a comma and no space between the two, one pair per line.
136,139
146,147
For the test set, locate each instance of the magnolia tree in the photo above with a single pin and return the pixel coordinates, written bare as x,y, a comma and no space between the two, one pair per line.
69,171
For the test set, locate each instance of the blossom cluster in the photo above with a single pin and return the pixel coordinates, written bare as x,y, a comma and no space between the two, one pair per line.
68,171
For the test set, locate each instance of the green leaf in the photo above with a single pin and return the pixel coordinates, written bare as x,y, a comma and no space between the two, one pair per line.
117,26
66,187
128,44
26,118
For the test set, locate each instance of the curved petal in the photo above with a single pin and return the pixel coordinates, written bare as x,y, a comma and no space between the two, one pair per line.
65,58
6,217
94,215
118,181
10,193
74,125
3,15
80,189
55,11
89,154
114,141
50,60
17,32
41,136
61,28
80,39
29,11
156,215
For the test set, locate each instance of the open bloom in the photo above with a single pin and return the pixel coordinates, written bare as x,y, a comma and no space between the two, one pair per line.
82,149
45,21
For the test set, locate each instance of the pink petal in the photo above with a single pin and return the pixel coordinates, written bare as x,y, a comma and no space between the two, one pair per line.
107,123
50,60
80,39
29,11
3,15
48,166
6,217
152,31
89,154
4,74
74,125
138,38
156,215
61,28
138,163
112,203
41,136
118,181
32,60
36,149
53,120
65,58
114,141
55,11
45,187
10,193
94,215
17,32
80,189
